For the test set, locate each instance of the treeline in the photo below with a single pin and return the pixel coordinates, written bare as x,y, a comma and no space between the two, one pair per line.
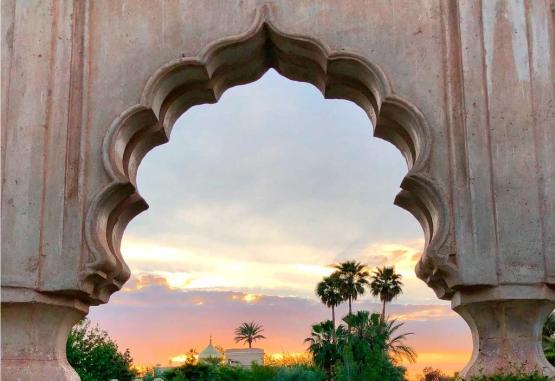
211,372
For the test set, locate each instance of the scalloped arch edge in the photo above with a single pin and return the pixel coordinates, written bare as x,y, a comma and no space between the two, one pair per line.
186,82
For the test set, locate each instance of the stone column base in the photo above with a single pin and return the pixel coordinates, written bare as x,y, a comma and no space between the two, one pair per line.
34,339
507,336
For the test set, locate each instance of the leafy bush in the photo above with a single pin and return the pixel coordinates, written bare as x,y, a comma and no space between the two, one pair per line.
370,363
95,356
231,373
298,373
204,372
192,372
549,339
373,366
431,374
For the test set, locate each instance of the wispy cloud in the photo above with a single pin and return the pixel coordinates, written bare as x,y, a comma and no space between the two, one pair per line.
250,203
296,273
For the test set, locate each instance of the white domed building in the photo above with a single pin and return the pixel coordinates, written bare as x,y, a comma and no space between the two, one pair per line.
210,354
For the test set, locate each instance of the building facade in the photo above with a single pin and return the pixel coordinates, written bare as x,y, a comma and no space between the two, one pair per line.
244,357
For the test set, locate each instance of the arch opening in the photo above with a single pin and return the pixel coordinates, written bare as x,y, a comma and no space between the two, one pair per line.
187,82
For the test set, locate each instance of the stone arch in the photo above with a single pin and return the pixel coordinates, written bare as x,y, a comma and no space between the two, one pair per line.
241,59
483,189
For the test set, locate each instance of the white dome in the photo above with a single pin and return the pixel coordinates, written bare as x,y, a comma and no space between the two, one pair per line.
210,352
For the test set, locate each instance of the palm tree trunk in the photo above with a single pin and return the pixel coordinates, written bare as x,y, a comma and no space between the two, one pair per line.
383,310
250,344
333,321
350,308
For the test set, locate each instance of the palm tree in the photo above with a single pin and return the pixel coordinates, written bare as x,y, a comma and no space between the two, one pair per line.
374,330
386,284
359,324
354,278
324,347
249,333
329,291
395,345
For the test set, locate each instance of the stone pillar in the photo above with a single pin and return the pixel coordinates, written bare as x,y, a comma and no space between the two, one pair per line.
506,326
34,336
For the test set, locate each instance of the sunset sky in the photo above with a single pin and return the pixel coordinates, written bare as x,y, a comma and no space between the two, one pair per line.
250,202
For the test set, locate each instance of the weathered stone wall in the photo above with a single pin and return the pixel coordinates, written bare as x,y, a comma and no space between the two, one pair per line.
465,90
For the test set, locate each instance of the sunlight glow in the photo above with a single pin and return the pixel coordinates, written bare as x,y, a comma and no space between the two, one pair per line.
251,298
290,277
183,358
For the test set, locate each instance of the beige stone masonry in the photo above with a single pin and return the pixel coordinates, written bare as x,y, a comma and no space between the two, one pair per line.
464,89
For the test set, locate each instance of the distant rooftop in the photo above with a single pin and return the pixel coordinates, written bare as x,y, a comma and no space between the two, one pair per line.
210,352
244,350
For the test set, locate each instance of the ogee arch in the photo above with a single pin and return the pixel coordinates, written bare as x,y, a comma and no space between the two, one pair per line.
190,81
464,89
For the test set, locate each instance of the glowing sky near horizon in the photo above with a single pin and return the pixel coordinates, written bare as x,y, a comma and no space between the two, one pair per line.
250,203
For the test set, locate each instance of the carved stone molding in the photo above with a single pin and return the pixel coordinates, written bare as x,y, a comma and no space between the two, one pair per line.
241,59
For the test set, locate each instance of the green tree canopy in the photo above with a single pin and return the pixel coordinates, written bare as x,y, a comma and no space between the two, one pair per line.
383,333
368,350
95,356
325,346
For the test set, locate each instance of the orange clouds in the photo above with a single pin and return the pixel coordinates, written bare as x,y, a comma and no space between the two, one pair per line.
297,273
158,322
145,280
428,313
